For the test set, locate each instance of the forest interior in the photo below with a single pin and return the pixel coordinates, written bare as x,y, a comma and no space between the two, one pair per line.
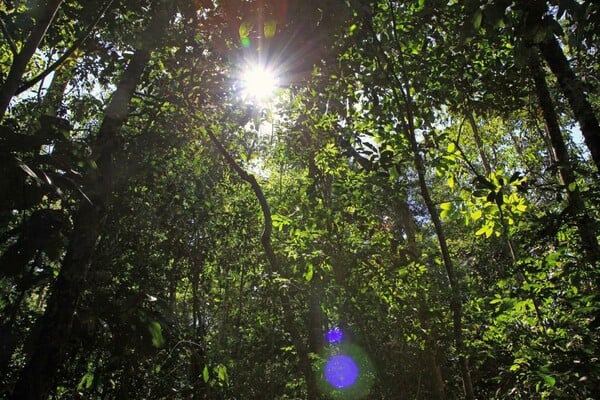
300,199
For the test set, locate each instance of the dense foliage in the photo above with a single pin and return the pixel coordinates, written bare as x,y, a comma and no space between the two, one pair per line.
423,183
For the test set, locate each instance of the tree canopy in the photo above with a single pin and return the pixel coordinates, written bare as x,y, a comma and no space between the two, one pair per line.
291,199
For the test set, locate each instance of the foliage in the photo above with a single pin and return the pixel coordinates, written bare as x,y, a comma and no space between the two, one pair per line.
402,185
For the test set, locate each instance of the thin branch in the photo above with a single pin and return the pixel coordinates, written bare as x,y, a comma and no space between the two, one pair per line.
9,38
68,53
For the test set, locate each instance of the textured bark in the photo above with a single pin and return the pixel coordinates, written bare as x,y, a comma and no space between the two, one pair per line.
574,91
20,61
585,225
36,379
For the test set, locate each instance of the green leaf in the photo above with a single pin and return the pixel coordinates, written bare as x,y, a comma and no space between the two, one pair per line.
451,147
222,373
477,19
155,330
245,28
550,380
86,381
309,273
205,374
394,174
270,28
476,215
522,207
451,181
572,186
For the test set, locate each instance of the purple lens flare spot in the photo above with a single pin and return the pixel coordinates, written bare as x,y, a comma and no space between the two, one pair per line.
341,371
334,336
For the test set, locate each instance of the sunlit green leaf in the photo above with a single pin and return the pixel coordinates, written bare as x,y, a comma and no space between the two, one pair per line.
156,331
270,28
205,374
245,28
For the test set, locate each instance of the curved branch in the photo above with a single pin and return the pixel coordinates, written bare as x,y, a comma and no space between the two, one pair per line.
260,196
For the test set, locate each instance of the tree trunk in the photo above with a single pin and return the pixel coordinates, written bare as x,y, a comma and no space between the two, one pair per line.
404,102
20,61
574,91
37,377
455,298
479,143
585,225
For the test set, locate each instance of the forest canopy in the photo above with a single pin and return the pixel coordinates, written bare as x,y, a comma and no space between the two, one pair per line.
299,199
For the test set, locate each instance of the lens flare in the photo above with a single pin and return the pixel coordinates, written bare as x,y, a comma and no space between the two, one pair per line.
341,371
344,371
258,82
334,336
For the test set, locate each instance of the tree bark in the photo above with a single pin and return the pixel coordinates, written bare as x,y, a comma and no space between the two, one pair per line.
20,61
574,91
585,225
36,379
455,299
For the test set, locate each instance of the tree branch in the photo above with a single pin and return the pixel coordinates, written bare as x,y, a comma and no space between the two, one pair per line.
266,211
68,53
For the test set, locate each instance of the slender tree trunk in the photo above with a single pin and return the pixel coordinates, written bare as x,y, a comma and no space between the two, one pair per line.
37,377
20,61
585,225
437,385
455,300
574,91
404,102
479,143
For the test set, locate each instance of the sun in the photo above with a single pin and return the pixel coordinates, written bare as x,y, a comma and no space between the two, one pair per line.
259,82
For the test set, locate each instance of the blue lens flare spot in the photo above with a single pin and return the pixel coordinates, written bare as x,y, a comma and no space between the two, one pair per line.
341,371
334,336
